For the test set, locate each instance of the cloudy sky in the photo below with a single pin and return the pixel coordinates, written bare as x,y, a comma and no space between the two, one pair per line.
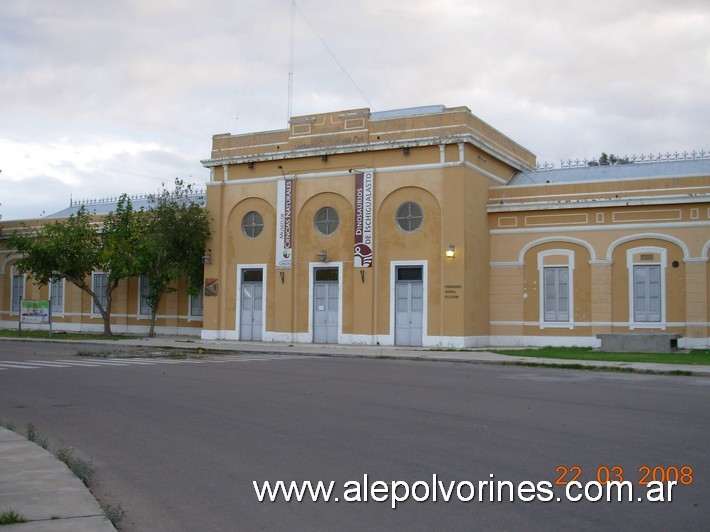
99,97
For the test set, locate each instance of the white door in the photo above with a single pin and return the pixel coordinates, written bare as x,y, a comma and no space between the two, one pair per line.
252,305
409,306
325,306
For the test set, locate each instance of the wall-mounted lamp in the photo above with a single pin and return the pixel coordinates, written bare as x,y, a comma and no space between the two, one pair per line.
450,252
324,157
207,257
250,164
405,150
322,255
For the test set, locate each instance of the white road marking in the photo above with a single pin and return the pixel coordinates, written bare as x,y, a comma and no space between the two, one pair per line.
117,362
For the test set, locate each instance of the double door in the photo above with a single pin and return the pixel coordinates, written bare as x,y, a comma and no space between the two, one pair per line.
409,306
326,303
252,305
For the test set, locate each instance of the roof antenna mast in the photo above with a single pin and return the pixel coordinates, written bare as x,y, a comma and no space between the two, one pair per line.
290,60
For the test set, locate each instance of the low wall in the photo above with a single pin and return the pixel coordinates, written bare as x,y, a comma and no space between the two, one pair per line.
650,342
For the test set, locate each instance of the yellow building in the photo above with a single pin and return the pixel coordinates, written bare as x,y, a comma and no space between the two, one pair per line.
427,226
625,245
73,310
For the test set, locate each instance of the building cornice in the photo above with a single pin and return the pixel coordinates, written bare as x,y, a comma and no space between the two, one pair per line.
348,173
366,147
505,206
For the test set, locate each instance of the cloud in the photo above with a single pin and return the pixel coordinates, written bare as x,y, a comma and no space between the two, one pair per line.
100,96
54,173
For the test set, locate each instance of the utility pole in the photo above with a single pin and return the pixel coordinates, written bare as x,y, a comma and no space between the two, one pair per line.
290,60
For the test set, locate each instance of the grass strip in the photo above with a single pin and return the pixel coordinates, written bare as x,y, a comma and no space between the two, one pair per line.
611,369
696,357
60,335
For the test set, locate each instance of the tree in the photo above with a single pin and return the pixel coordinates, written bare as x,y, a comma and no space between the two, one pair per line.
609,160
77,247
121,235
175,233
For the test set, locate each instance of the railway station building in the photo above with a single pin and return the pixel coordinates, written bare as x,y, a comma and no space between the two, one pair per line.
429,227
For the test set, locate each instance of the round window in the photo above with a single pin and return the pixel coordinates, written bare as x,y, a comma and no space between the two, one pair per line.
326,221
409,217
252,224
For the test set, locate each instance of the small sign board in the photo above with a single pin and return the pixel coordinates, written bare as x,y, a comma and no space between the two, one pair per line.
34,311
211,287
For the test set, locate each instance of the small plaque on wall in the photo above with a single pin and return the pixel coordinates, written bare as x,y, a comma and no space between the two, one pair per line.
211,287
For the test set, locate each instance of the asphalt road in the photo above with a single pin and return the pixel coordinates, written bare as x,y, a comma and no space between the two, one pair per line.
179,444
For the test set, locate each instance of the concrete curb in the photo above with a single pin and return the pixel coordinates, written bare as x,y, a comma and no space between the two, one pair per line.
385,352
44,491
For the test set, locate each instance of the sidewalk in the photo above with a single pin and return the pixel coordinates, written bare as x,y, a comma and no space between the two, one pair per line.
42,489
393,352
36,485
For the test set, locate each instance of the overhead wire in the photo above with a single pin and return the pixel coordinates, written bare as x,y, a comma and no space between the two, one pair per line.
332,55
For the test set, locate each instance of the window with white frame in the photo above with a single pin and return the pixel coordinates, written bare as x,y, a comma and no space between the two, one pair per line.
555,269
56,295
100,287
556,293
647,293
144,308
646,267
196,308
17,291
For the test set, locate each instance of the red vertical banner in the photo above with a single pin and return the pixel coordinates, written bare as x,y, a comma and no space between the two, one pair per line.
364,207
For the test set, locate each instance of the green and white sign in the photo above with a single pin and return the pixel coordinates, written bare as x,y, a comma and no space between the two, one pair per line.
34,311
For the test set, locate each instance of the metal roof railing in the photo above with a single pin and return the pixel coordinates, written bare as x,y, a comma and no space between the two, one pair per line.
630,159
114,200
